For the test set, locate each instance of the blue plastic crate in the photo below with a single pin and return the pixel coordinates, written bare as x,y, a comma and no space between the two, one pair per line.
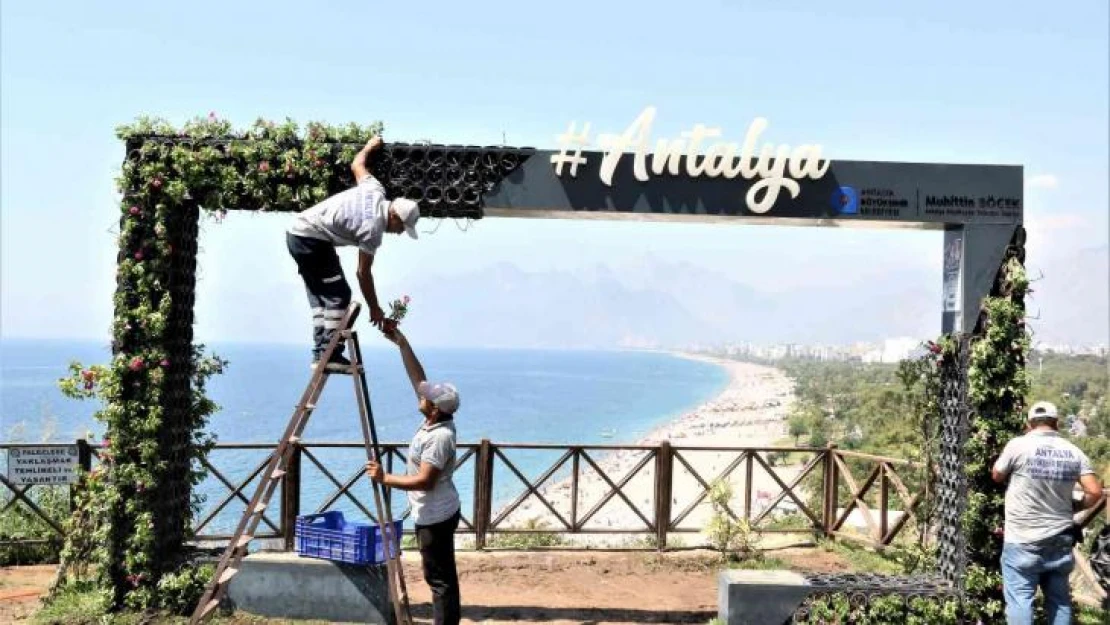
329,537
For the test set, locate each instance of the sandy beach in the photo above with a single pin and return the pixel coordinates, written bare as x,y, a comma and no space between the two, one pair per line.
750,412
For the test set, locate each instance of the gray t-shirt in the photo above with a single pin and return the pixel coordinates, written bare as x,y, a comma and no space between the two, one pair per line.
434,444
1043,469
355,217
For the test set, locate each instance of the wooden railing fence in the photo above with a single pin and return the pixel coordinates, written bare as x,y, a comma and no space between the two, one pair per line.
828,492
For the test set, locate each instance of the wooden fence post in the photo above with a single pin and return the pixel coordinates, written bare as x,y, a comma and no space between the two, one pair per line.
291,498
483,492
830,487
884,505
84,460
663,489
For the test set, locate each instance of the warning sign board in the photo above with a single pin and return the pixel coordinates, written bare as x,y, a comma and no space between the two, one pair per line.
47,464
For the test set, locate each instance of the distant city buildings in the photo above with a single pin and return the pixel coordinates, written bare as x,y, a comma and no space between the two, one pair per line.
889,351
1094,349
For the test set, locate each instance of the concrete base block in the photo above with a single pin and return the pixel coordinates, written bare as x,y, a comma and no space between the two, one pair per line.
759,597
284,585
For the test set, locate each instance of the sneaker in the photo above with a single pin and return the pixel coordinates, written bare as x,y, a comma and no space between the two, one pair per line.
337,364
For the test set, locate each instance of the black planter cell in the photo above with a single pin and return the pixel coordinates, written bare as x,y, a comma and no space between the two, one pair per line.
435,158
433,195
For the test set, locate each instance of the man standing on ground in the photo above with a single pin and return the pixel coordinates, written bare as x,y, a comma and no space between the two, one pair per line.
356,217
431,491
1043,468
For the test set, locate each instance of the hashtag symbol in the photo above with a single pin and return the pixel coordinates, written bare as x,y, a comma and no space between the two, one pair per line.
566,141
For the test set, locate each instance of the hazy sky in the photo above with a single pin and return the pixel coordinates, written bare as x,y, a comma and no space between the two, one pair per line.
978,82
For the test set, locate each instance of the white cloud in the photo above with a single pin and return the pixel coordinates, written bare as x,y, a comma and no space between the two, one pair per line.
1042,181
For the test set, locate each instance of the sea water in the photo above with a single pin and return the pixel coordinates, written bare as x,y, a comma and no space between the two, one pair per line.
507,396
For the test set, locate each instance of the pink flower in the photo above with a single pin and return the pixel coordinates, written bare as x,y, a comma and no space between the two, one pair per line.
139,255
134,210
405,300
156,183
319,163
136,364
165,362
264,166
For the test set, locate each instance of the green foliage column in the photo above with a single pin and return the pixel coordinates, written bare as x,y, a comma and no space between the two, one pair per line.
997,387
135,510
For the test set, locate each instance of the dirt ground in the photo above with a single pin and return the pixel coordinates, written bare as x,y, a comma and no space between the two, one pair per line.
548,587
563,588
20,589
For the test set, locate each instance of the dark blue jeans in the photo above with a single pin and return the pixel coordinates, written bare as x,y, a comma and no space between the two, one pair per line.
437,550
1046,564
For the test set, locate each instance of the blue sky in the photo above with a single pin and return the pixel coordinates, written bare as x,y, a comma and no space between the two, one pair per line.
992,81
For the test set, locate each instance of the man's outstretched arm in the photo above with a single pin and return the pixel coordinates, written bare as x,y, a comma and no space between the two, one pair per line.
366,284
358,165
412,365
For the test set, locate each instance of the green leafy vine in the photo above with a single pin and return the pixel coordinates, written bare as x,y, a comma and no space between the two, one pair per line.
169,173
997,386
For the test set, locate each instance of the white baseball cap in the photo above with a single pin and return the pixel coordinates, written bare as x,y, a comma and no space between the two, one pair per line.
443,395
409,212
1042,410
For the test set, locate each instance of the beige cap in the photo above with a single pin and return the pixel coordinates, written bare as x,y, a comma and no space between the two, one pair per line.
409,212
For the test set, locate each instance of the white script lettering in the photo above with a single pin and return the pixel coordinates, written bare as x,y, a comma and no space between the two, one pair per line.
774,169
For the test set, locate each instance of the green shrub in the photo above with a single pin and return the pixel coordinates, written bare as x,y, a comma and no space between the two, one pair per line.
179,592
734,539
19,523
531,540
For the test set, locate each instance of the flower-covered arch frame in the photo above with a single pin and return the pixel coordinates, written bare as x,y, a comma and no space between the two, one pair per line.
136,509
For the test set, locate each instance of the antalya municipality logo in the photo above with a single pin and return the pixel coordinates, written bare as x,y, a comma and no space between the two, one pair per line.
845,201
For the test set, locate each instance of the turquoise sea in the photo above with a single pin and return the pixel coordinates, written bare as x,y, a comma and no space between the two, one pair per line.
508,396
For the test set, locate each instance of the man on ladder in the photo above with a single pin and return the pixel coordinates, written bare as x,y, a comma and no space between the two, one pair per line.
432,494
357,217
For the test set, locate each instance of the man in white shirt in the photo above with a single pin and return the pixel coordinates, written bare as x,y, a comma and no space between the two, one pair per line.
432,494
357,217
1043,468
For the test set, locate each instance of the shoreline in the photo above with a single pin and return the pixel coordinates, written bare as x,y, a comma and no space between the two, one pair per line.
750,411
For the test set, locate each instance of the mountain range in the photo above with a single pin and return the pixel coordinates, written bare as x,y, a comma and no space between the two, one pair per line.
653,302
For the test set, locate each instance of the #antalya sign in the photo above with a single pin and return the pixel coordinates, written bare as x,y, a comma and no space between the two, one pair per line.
774,168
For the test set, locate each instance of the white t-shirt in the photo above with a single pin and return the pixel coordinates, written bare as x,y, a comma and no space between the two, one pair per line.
355,217
1043,468
434,444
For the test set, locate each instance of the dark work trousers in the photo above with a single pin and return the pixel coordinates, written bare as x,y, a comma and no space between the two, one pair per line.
328,291
437,550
